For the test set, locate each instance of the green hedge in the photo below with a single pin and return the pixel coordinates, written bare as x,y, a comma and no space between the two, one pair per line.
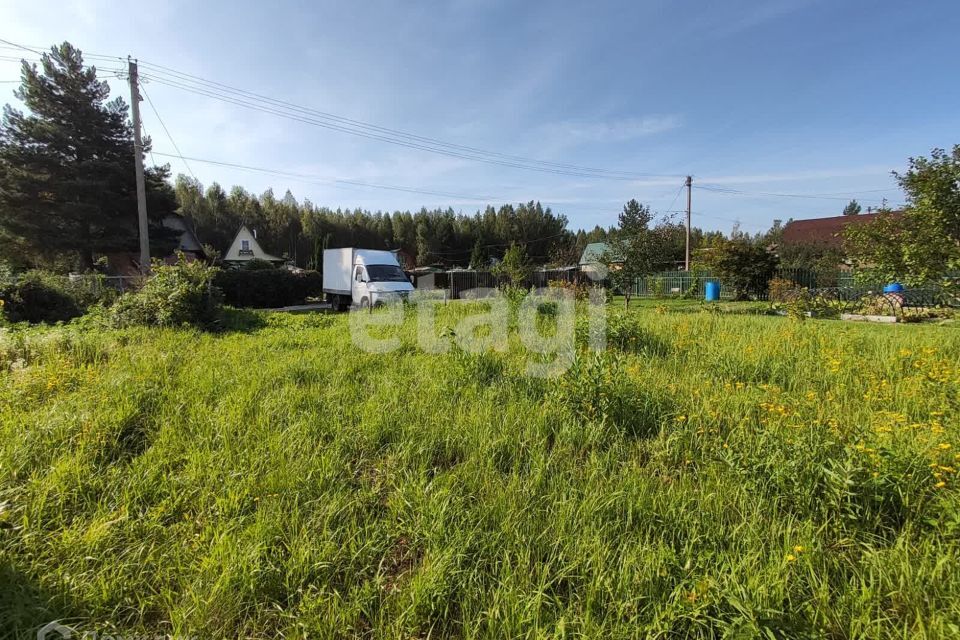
268,288
39,296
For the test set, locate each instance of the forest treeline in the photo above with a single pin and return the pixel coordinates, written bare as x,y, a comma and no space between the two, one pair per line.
300,230
68,198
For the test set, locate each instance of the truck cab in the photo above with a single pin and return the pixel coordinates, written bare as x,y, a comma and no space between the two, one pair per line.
363,277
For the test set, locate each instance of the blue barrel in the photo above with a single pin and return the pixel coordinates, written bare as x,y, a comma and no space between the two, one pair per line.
711,291
893,287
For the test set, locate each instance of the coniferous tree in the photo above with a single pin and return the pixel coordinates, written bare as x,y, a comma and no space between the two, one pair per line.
635,249
853,208
67,167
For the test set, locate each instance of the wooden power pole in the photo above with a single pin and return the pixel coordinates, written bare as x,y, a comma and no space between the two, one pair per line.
138,162
689,185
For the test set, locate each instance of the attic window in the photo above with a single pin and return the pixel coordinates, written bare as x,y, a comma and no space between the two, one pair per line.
245,248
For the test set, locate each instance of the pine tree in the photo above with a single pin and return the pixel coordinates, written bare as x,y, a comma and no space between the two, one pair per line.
852,209
478,256
635,249
67,167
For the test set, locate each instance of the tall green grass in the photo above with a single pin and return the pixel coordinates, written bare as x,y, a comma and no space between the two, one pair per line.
707,475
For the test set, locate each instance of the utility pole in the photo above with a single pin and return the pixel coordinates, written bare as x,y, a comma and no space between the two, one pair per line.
689,185
138,162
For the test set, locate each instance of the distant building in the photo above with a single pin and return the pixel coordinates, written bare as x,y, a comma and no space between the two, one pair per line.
188,242
827,232
245,248
404,259
592,258
127,263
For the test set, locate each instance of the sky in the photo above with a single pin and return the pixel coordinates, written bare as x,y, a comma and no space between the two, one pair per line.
819,98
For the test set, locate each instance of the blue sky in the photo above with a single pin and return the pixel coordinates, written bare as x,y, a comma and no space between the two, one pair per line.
781,96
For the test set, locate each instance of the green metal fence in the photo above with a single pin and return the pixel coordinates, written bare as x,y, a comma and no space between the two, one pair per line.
690,284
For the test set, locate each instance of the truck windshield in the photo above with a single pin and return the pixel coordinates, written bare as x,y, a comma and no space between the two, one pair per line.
385,273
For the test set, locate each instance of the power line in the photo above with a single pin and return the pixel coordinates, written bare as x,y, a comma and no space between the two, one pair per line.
240,97
674,201
18,59
330,181
42,51
147,134
162,124
334,127
258,102
345,183
110,72
812,196
20,46
186,77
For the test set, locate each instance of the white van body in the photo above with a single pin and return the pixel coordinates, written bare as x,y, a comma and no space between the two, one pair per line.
363,277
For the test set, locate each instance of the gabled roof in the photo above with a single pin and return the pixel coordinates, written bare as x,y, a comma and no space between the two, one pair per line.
188,239
236,254
824,231
593,253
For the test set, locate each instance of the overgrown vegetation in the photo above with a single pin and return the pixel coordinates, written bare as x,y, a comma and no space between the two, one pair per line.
745,266
175,295
270,288
708,475
635,249
39,296
922,244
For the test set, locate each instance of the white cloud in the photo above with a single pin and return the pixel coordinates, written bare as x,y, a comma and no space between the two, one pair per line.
738,19
612,130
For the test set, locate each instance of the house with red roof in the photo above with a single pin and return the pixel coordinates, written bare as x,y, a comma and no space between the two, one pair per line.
827,232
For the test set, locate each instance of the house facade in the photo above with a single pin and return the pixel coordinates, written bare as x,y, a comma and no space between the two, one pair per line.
245,248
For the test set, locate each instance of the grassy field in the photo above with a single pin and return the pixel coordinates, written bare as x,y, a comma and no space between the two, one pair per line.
706,475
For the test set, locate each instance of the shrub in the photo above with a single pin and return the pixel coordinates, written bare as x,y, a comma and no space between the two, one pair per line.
39,296
658,287
515,295
798,303
779,288
580,291
745,267
182,294
515,267
268,288
258,264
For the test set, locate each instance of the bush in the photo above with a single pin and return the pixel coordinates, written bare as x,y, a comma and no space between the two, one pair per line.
258,264
580,291
183,294
779,288
39,296
268,288
658,287
745,267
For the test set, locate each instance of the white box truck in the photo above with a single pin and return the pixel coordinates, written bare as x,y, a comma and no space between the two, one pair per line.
363,277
